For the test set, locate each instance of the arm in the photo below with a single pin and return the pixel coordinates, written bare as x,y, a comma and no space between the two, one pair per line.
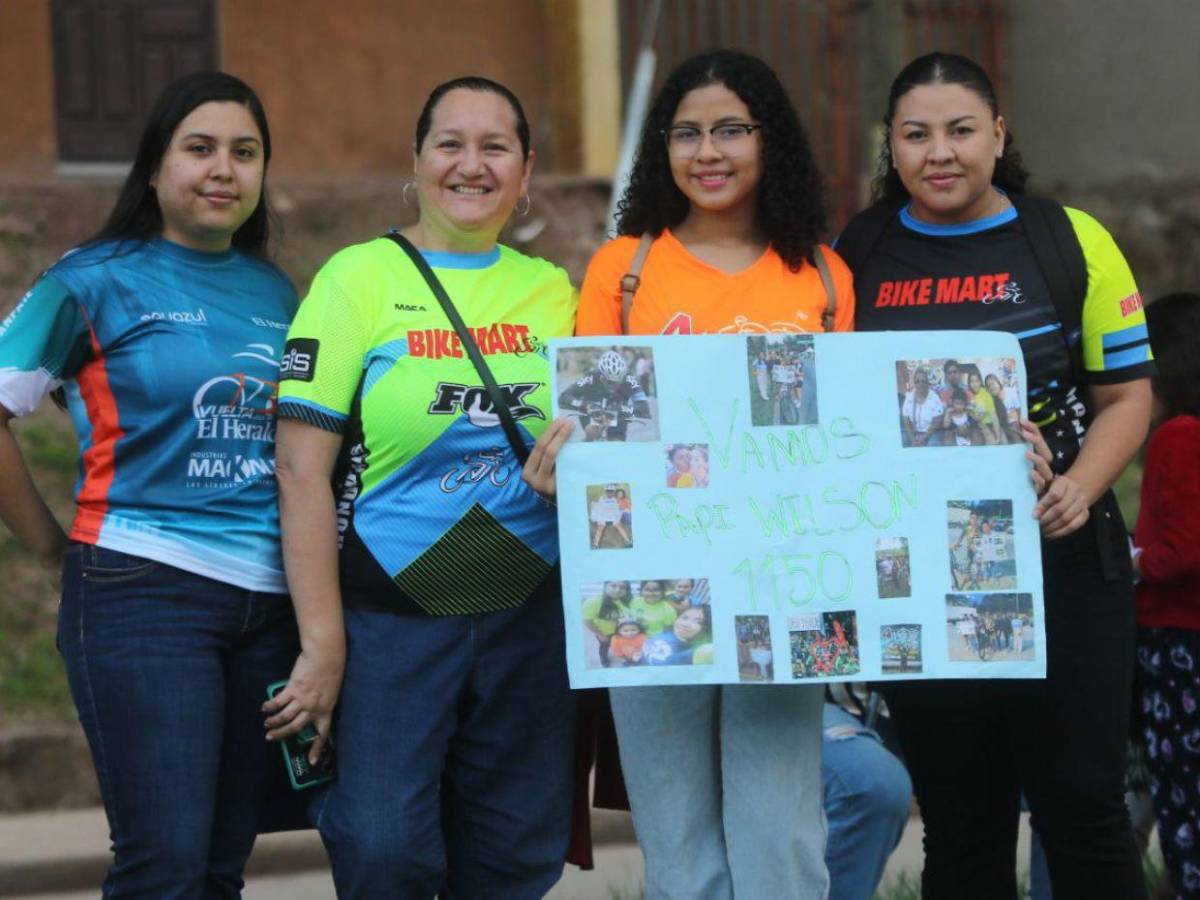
1118,429
305,456
22,508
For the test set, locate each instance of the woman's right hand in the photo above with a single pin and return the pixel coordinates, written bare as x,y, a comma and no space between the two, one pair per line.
310,696
1039,455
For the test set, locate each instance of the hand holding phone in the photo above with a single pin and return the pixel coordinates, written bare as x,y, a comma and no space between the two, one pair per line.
301,773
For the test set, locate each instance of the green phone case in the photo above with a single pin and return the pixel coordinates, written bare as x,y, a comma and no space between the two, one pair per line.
301,773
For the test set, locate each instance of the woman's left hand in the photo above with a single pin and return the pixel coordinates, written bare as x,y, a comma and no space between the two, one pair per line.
539,471
1063,509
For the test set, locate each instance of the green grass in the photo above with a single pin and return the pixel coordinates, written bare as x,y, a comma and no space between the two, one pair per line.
49,447
32,678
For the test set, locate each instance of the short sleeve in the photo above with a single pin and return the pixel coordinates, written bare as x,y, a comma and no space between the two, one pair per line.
1116,345
600,295
43,342
326,347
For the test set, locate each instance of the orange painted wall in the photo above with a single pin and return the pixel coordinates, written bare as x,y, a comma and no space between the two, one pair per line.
343,82
27,140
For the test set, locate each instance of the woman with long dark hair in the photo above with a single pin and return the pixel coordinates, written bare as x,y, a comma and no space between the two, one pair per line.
165,331
951,208
727,194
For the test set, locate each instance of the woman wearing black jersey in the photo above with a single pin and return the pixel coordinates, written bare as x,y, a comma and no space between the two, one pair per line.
944,193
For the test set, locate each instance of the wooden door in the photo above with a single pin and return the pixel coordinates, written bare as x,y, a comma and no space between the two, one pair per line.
111,60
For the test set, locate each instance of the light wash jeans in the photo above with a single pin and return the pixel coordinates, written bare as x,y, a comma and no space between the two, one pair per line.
725,785
867,800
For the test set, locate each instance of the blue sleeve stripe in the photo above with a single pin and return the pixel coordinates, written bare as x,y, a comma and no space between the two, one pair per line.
314,414
1130,357
1124,336
1034,332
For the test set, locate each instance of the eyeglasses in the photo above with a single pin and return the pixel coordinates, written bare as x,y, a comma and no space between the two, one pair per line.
685,140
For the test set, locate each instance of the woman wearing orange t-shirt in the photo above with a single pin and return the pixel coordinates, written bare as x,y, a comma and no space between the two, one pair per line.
725,182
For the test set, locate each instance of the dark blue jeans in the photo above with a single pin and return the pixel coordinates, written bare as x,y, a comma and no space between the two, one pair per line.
455,741
168,671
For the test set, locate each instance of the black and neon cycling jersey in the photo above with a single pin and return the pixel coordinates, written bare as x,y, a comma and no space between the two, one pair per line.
983,275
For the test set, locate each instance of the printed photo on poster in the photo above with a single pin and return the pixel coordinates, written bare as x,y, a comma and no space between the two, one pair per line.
610,392
638,623
755,659
989,627
824,644
782,373
900,649
981,545
610,515
893,573
947,402
687,465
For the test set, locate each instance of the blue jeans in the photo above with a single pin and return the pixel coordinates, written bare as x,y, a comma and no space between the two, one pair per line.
168,671
867,800
725,786
455,740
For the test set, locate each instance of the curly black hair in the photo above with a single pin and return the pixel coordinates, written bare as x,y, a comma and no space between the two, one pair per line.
791,205
944,68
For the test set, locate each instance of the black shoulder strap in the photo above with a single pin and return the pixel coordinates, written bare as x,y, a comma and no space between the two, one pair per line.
859,238
1056,248
499,404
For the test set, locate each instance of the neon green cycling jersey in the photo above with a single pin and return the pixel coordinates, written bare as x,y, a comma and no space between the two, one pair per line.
431,498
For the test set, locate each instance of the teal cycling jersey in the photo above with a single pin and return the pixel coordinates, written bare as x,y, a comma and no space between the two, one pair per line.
169,360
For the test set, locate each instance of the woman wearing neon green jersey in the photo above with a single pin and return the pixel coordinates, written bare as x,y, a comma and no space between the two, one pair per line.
426,588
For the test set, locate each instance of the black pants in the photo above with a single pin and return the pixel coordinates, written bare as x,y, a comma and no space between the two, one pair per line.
973,746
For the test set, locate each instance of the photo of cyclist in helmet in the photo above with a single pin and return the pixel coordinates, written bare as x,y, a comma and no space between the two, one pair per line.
606,399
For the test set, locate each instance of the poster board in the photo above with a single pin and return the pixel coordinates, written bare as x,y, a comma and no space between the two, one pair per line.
774,508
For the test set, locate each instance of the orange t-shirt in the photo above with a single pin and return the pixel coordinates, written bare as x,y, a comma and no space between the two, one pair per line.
680,294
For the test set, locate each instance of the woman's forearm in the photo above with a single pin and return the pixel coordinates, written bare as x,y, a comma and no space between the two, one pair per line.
22,508
308,521
1117,431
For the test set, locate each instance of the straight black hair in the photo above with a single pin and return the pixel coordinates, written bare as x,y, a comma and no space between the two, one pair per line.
1174,325
136,215
945,68
472,83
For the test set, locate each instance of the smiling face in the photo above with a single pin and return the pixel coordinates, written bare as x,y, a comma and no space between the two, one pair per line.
690,624
945,143
652,591
211,176
994,386
681,459
716,175
683,588
469,170
974,382
616,590
921,384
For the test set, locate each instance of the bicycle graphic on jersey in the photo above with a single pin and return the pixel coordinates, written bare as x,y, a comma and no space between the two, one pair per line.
237,393
486,464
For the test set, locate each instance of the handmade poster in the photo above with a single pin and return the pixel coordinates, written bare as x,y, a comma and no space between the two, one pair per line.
771,508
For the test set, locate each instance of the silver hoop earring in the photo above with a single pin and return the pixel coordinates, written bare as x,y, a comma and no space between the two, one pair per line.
528,205
404,193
